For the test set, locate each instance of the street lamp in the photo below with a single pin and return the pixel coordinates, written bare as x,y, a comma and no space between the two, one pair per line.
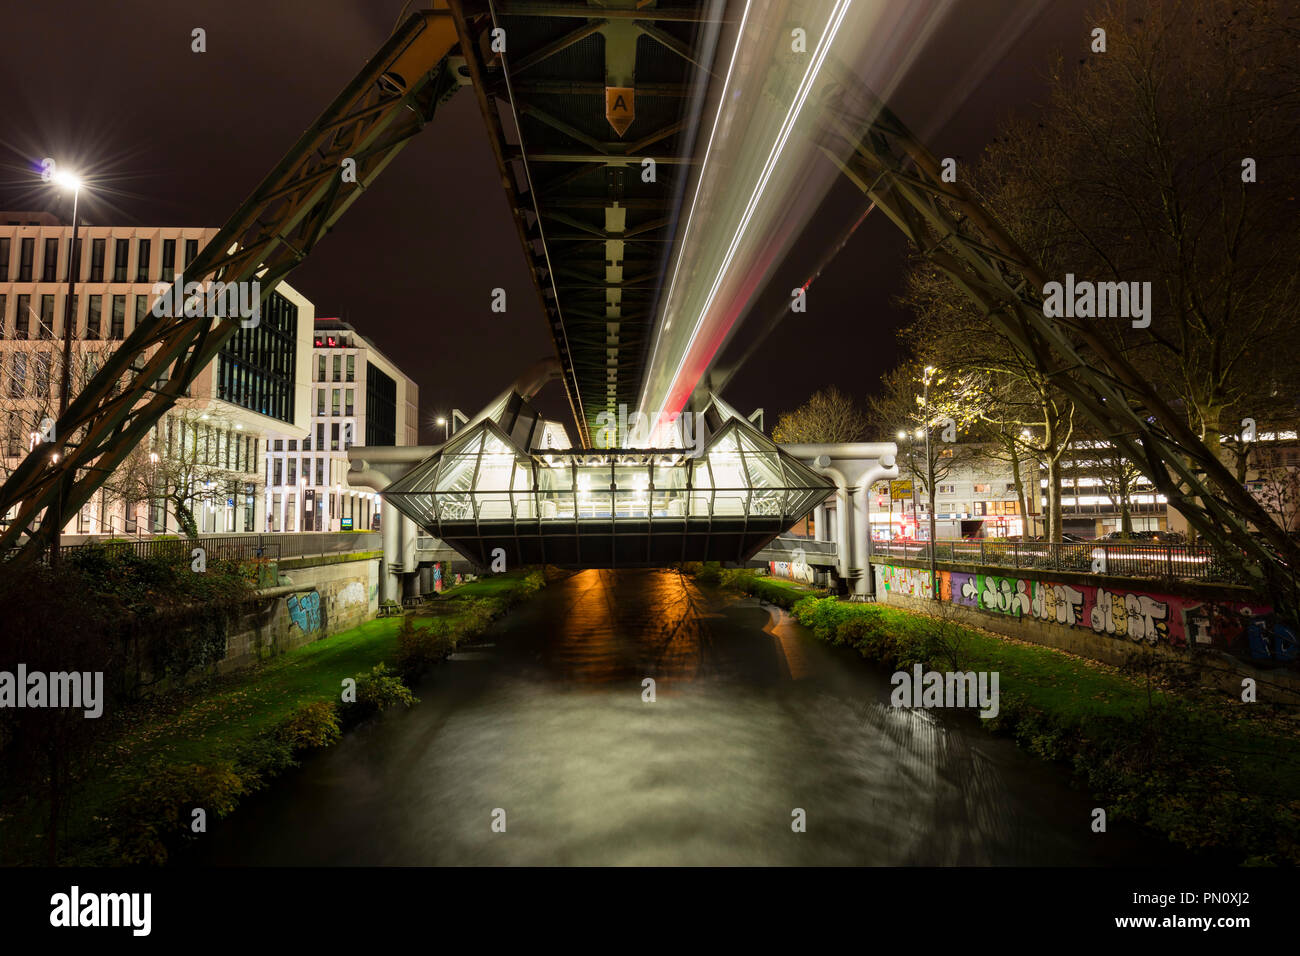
929,467
65,180
443,422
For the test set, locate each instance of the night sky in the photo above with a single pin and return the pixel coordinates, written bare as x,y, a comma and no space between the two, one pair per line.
169,137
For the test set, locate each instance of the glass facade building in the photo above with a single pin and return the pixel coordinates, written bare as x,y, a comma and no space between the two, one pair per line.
629,507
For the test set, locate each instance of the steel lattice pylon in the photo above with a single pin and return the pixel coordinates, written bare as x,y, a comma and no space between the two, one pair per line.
387,103
903,180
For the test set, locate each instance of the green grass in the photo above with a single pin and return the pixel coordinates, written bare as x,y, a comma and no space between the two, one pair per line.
1045,677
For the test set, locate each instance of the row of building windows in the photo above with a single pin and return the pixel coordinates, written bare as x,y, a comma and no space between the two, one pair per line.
197,443
338,368
118,269
286,471
335,406
105,316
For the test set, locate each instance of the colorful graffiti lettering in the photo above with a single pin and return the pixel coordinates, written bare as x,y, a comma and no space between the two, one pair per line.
1128,615
304,611
912,582
1135,616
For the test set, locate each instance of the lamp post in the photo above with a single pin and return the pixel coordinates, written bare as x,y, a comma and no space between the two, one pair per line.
929,468
153,490
66,181
443,422
302,505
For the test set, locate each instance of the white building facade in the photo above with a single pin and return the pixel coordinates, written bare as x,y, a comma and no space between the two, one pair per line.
358,396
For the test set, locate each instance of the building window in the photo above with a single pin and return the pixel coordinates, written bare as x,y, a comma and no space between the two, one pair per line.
320,368
142,260
334,403
46,329
320,471
983,489
50,264
41,374
4,304
141,304
381,407
352,369
93,305
320,436
338,365
97,260
118,326
168,261
347,404
121,252
191,251
275,471
18,377
947,489
4,258
22,313
293,472
334,437
26,252
256,366
320,402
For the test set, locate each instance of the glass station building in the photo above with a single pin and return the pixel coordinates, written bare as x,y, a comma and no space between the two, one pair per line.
508,480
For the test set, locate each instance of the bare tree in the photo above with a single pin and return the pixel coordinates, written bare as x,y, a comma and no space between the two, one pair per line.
828,416
1278,490
1168,159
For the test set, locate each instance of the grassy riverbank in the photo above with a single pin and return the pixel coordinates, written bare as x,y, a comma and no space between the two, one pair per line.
208,744
1210,773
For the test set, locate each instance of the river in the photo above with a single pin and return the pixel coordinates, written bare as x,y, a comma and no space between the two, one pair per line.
543,725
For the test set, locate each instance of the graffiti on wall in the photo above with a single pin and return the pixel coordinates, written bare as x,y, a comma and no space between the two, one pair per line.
913,582
304,610
352,595
795,570
1133,615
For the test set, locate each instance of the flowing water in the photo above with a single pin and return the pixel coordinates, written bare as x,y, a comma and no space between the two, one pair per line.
753,718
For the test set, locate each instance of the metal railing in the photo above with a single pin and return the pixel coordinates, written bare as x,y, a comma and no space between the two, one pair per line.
1157,561
236,547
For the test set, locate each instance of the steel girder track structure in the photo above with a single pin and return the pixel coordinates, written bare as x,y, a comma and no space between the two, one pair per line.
946,223
593,92
389,101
